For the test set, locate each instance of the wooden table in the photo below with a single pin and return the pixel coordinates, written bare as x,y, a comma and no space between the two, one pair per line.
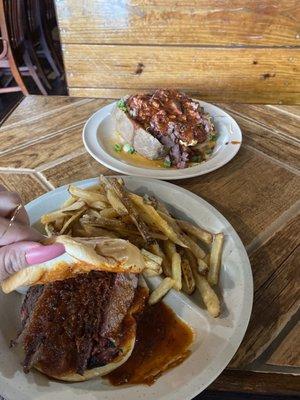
258,192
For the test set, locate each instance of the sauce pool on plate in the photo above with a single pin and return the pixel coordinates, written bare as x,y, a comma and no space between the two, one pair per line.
162,342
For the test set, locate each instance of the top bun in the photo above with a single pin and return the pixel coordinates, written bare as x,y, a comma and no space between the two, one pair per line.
82,255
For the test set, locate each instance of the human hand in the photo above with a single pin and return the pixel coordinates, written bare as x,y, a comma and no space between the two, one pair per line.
19,243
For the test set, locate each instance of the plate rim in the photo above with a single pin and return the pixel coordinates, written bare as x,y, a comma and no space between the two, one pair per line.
227,354
153,173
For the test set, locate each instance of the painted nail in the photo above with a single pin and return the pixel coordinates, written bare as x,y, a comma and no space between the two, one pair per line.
40,254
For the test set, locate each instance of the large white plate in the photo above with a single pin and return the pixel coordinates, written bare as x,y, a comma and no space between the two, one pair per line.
216,339
99,138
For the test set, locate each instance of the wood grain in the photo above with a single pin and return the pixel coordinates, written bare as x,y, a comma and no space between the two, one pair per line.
252,382
284,123
248,191
276,291
222,22
272,141
77,168
54,121
209,71
288,352
27,185
32,107
44,151
212,96
256,193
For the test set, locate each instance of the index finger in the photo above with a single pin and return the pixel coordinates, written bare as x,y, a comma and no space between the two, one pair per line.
8,203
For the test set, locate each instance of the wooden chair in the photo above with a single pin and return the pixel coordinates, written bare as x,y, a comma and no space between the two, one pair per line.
40,35
21,46
7,61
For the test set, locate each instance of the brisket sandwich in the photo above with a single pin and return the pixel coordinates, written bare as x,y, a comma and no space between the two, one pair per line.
77,318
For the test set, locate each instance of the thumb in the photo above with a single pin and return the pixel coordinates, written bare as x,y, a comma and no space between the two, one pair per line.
19,255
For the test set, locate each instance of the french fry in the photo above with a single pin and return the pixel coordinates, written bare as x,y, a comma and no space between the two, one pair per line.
73,218
148,272
193,246
199,233
202,266
69,201
116,203
154,247
157,259
49,229
161,291
58,223
192,260
156,219
171,221
152,265
176,271
175,259
98,188
143,283
215,259
92,231
88,196
97,205
208,295
77,205
108,213
124,198
188,281
52,217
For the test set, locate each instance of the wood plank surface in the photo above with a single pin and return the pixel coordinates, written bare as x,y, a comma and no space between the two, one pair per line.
27,185
276,296
222,22
288,352
251,382
55,120
273,142
275,118
32,107
209,71
45,150
257,192
80,167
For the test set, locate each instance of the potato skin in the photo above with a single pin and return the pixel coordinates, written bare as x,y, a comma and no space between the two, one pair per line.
132,133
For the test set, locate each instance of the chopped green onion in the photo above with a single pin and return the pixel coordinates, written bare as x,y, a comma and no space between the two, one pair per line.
208,152
167,163
118,147
122,105
128,148
196,158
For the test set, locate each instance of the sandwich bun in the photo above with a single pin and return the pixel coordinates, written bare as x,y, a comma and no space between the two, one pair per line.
127,349
82,255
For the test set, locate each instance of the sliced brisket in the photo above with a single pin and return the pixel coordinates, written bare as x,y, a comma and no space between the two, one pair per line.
75,322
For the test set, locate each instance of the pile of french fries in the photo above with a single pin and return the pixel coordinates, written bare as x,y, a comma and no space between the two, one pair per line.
186,256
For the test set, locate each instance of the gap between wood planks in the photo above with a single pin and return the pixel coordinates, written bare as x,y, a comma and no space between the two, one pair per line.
272,159
260,364
204,46
280,110
263,236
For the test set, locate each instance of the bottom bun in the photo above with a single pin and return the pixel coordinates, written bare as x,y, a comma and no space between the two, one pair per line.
98,371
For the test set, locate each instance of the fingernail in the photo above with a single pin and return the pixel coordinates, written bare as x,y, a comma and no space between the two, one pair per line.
39,254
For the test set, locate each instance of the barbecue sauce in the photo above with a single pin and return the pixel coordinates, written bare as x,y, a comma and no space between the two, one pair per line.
162,342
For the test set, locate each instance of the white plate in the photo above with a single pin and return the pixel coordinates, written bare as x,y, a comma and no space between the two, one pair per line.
216,339
99,138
